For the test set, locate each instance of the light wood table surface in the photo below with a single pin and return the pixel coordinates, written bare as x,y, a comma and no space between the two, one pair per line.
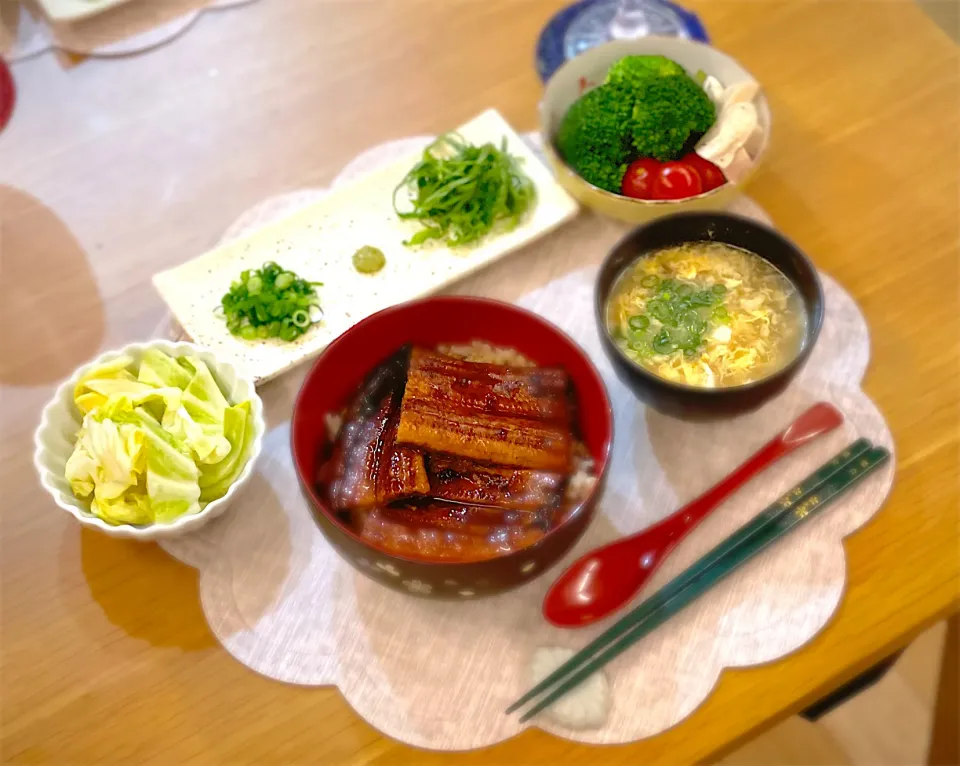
112,170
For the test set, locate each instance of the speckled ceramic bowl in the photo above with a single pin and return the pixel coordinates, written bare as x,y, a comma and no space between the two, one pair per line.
590,68
338,373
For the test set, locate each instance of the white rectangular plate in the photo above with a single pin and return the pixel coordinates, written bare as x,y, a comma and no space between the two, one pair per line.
74,10
318,243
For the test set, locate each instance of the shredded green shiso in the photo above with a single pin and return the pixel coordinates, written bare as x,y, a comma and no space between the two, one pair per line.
460,192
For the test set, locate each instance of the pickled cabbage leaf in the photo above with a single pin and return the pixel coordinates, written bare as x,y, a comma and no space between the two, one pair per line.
130,508
172,477
202,396
206,441
107,459
118,369
216,479
159,369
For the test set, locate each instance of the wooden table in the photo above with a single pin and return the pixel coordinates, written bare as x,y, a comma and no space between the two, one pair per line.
114,169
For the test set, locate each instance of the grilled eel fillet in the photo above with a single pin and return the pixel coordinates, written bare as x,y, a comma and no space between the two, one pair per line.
420,537
463,481
455,385
400,470
487,413
368,468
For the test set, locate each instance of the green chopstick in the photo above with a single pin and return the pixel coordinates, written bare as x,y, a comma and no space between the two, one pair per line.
816,491
701,567
726,558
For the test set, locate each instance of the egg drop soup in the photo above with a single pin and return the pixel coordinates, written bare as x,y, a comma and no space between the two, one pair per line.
707,314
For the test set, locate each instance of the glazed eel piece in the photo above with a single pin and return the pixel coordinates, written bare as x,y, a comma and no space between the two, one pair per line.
464,481
455,385
367,467
417,535
487,413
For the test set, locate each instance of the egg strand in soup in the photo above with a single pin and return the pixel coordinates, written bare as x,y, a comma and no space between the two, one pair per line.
707,314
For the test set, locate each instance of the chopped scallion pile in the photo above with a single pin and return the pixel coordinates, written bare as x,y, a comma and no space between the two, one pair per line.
271,302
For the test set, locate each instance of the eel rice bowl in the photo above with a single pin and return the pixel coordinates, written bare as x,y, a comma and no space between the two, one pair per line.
461,453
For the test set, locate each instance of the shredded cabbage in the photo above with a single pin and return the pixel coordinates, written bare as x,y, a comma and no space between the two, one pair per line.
158,441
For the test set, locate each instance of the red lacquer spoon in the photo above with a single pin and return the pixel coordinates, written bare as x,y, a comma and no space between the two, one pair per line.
608,577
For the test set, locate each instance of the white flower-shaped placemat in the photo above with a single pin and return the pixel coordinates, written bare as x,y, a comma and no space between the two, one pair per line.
439,674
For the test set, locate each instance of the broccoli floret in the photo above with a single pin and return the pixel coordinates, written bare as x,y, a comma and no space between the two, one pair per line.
648,107
667,111
631,71
595,134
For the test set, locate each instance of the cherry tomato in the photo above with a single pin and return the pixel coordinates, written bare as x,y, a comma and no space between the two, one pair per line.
676,180
710,174
649,179
639,178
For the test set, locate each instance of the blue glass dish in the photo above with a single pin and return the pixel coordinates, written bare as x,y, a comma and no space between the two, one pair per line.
554,47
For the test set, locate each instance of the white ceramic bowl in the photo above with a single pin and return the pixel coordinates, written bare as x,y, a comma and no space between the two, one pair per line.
61,420
591,67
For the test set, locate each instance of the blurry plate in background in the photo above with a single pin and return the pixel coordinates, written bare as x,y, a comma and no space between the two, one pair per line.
74,10
585,24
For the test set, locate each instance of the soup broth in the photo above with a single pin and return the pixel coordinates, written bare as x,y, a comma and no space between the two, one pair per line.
707,314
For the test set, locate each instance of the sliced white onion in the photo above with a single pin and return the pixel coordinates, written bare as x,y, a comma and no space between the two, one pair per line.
740,93
733,128
714,89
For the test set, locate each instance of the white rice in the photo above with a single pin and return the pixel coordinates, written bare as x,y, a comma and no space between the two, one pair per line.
581,483
333,421
484,353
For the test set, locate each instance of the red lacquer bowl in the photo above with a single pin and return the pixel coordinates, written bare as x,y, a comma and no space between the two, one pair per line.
339,371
